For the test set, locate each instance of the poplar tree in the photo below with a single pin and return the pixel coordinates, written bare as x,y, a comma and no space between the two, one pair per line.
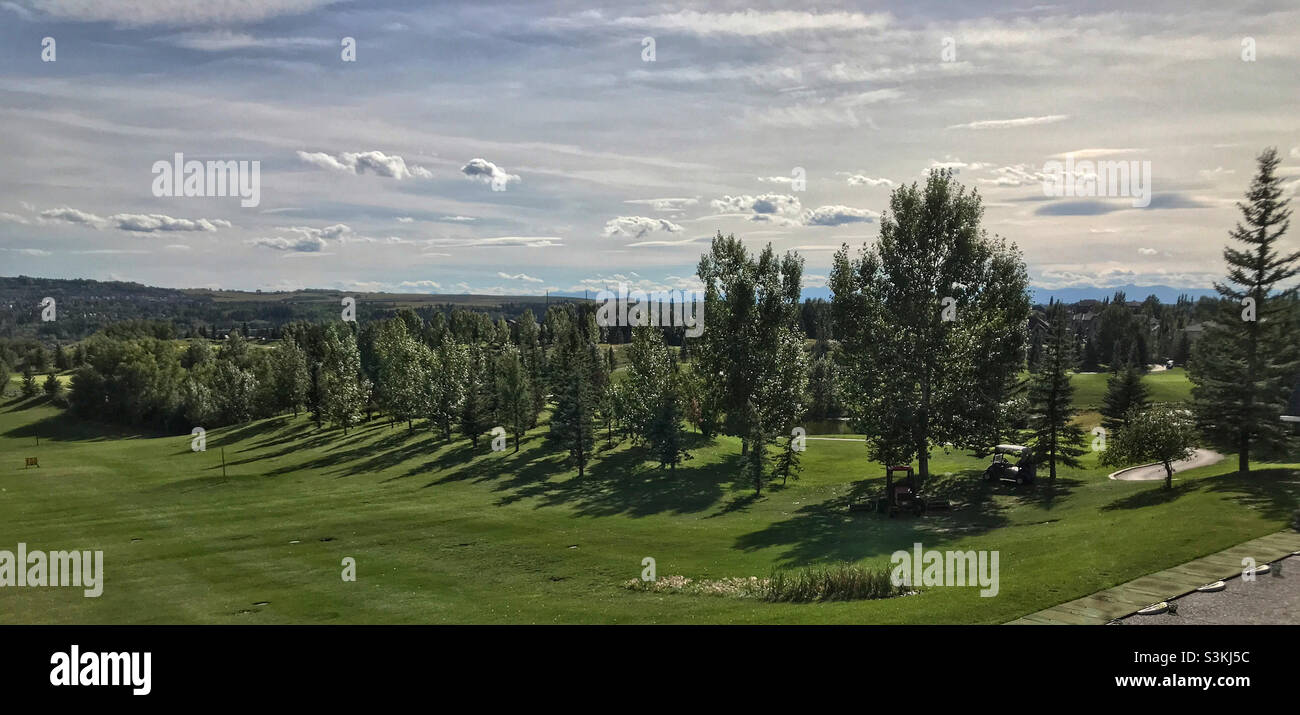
932,322
290,378
344,392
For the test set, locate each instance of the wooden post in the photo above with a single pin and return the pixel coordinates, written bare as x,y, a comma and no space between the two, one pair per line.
223,462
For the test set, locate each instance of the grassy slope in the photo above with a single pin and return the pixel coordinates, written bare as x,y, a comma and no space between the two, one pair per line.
449,534
1163,386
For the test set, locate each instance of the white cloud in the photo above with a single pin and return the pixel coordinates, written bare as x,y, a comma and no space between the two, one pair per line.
500,241
225,40
638,226
306,239
149,223
747,23
669,204
18,10
1010,123
297,244
864,180
137,13
488,173
1095,152
420,284
1013,176
806,117
135,223
377,162
518,277
951,162
67,214
1216,172
765,204
837,216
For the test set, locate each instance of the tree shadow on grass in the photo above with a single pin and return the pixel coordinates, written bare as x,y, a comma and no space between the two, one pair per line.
63,427
388,452
626,483
1275,493
828,531
1043,493
366,457
304,443
19,404
291,430
1157,494
620,482
248,430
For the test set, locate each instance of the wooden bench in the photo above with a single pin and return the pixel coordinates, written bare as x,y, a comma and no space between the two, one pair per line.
31,462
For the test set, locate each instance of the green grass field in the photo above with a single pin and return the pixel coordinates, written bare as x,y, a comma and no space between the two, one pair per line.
1163,386
446,534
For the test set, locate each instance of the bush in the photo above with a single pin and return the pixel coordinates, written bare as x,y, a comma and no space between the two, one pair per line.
842,582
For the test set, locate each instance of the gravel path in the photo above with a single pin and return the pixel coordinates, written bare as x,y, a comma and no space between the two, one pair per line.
1156,472
1272,598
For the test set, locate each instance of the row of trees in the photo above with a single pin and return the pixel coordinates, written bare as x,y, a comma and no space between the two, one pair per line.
931,327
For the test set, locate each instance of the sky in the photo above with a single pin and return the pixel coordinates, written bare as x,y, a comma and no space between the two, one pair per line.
519,148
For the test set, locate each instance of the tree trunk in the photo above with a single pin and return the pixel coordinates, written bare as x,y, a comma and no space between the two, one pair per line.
1169,475
923,426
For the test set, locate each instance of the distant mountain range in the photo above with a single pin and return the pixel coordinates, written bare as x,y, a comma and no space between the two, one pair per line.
13,287
1166,294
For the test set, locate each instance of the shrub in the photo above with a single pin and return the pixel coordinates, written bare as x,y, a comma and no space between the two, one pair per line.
842,582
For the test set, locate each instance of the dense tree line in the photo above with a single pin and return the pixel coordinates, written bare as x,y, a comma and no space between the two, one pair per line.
927,341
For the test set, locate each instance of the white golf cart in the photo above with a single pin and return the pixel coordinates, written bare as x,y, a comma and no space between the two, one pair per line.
1002,468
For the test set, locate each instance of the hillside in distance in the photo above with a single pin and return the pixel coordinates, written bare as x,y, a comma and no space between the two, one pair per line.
84,306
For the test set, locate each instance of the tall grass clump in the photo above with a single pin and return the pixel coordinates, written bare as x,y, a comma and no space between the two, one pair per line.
842,582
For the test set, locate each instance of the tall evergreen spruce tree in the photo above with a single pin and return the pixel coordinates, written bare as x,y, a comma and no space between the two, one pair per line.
576,392
514,393
1244,365
1055,438
1124,391
30,388
480,393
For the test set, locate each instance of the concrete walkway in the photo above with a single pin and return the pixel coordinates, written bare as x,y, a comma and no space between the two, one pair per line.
1156,472
1128,598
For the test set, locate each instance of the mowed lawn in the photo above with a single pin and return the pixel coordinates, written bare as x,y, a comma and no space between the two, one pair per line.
450,534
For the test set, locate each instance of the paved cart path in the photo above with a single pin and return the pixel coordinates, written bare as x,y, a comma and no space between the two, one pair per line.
1128,598
1156,472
